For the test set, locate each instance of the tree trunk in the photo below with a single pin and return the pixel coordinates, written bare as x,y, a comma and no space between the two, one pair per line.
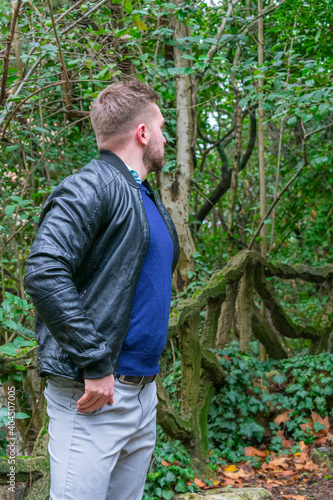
261,152
176,187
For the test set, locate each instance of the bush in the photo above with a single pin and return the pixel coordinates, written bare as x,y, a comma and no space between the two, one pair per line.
170,471
255,392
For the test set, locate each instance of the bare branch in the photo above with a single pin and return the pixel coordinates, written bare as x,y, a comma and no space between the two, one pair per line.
274,204
7,52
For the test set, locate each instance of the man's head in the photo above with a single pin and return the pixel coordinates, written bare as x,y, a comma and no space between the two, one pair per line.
126,114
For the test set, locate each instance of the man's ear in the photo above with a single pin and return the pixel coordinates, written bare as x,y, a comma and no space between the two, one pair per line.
141,134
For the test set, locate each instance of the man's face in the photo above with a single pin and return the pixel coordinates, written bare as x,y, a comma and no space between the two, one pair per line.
153,156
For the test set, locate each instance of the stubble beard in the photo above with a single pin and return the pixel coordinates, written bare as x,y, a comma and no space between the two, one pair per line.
153,159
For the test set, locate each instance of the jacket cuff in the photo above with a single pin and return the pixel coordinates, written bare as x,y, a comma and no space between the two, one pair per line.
99,369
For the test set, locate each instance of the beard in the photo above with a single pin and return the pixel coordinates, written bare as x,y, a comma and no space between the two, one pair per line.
153,158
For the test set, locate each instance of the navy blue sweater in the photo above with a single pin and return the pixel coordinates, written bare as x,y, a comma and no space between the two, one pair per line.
146,338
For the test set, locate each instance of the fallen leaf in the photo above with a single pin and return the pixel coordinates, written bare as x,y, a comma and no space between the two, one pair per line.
286,443
237,475
322,421
282,418
303,446
165,463
278,462
250,451
286,473
322,440
199,483
308,425
231,468
228,482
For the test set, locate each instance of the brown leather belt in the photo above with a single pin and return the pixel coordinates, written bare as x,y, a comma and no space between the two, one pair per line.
131,380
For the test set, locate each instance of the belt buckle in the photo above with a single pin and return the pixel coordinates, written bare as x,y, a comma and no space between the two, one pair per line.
122,378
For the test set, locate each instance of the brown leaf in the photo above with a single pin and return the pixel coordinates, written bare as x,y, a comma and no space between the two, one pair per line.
273,483
165,463
286,443
286,473
308,425
308,466
282,418
228,482
303,446
323,421
250,451
278,462
199,483
237,475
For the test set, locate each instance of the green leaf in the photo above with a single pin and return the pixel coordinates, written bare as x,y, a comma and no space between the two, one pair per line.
42,129
9,210
226,36
8,349
244,101
292,121
277,83
279,379
10,324
128,6
20,415
139,24
144,57
176,71
188,56
19,367
13,147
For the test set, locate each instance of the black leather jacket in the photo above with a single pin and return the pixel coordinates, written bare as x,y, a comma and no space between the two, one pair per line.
84,266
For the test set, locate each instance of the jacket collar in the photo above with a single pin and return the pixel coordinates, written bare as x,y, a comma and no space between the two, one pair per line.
118,163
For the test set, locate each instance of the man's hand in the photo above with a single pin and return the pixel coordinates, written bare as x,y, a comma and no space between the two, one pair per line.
98,392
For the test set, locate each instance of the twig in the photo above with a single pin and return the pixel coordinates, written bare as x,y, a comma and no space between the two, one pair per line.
68,100
274,204
7,52
317,130
245,28
37,62
82,17
14,234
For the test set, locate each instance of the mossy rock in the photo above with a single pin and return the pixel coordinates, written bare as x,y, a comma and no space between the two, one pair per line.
229,494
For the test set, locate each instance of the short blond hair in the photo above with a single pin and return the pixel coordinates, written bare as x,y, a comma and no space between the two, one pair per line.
117,106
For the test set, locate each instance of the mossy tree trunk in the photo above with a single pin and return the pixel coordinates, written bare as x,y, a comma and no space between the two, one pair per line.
239,282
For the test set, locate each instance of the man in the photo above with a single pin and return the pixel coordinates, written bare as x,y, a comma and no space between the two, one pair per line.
99,274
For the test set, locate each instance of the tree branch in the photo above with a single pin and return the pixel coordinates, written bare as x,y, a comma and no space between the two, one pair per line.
68,99
226,172
266,336
213,369
7,52
274,204
280,319
167,417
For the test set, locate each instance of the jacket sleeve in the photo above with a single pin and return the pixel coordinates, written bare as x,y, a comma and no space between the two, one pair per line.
69,223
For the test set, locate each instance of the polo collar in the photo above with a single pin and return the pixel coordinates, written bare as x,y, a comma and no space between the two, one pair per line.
115,161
